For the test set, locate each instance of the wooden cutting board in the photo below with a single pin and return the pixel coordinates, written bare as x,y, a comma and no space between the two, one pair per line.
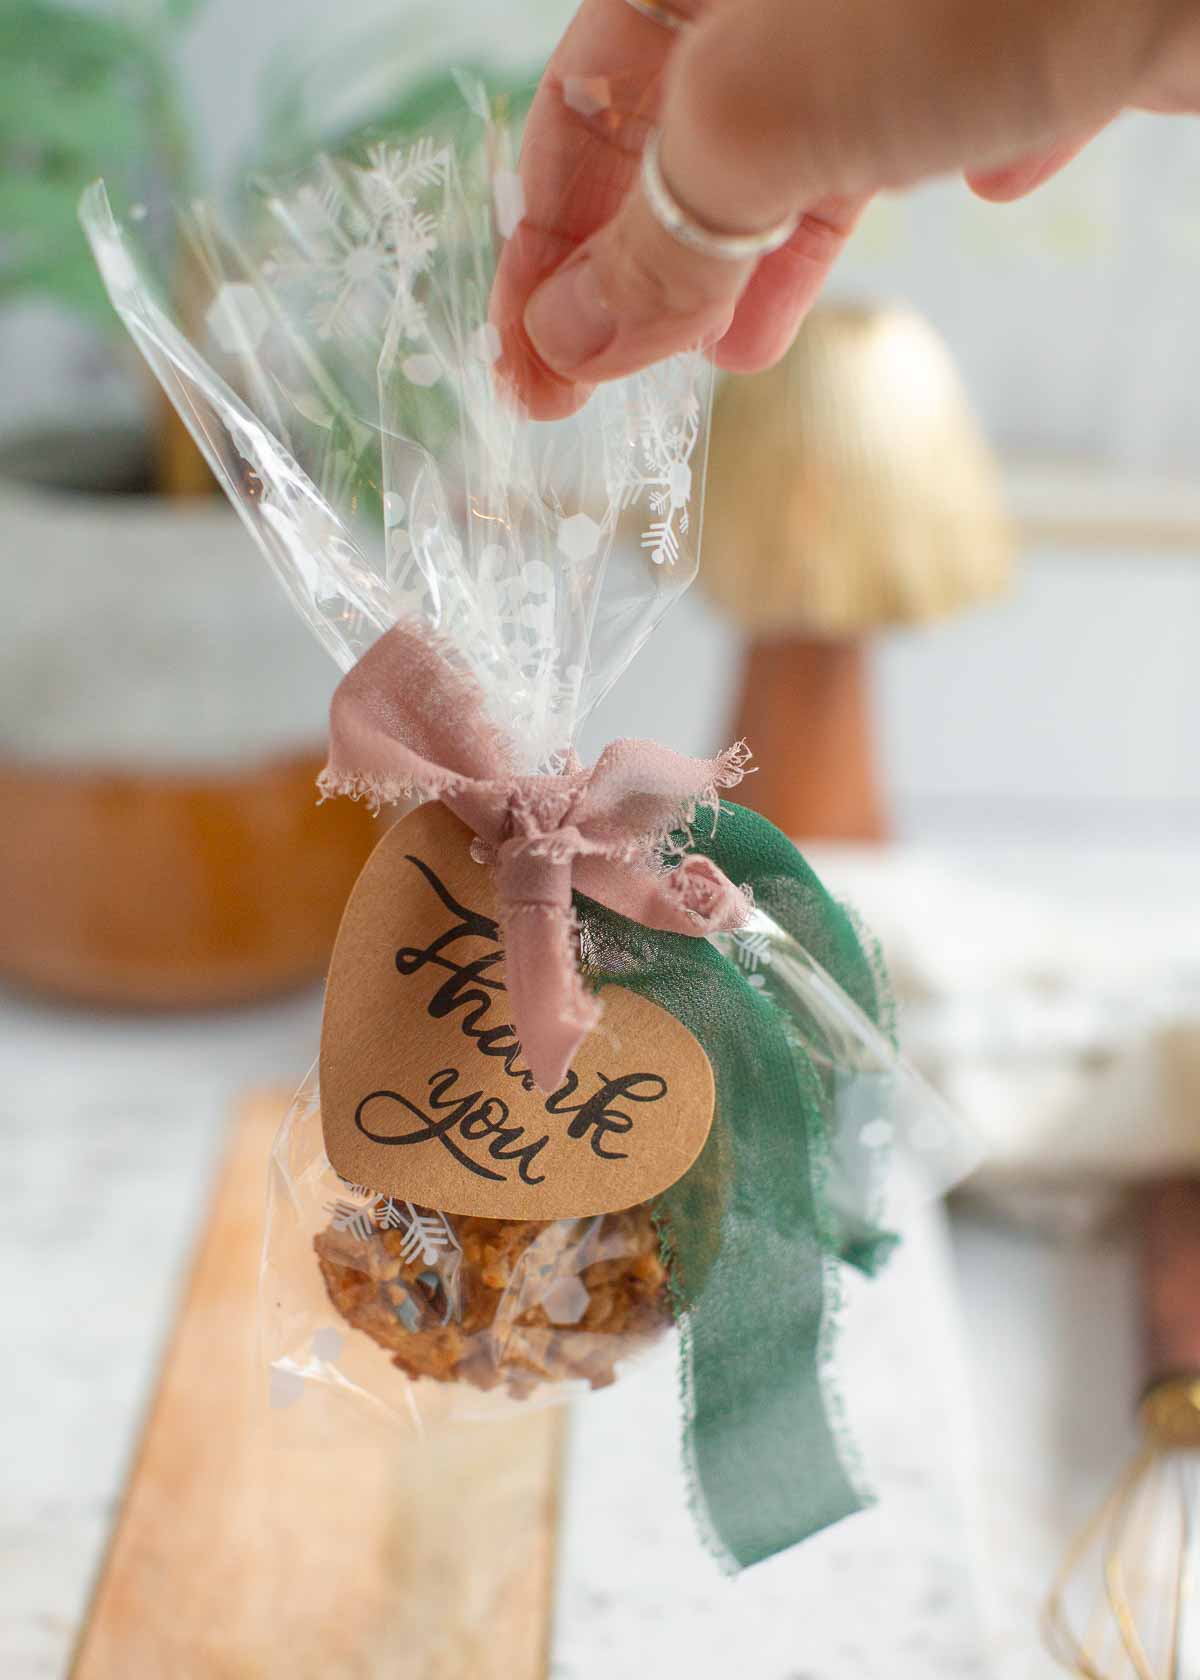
260,1544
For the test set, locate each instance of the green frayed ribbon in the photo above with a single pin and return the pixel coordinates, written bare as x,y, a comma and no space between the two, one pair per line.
749,1232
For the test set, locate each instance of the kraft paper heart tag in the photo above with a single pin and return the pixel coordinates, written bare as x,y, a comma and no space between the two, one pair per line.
424,1095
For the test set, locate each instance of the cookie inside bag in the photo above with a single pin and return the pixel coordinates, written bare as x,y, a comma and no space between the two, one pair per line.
496,1302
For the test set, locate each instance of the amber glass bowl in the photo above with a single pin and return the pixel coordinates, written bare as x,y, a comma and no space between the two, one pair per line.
173,890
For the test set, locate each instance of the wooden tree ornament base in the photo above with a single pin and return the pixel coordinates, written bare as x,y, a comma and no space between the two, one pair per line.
250,1544
805,710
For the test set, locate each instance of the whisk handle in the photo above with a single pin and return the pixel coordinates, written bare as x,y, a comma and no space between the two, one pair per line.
1170,1278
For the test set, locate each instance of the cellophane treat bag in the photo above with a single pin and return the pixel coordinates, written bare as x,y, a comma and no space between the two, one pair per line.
601,1061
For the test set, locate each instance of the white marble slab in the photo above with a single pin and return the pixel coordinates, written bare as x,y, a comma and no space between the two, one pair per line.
112,1128
887,1595
1051,1343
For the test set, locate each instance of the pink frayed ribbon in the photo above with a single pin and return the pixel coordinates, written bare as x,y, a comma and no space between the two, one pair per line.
405,723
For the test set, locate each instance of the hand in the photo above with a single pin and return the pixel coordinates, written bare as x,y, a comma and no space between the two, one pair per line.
774,108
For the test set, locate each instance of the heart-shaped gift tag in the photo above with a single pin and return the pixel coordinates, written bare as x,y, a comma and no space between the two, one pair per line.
424,1093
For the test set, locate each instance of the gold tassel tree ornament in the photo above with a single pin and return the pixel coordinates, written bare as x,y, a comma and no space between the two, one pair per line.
850,488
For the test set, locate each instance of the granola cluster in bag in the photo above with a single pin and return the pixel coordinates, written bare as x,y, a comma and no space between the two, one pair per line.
517,1303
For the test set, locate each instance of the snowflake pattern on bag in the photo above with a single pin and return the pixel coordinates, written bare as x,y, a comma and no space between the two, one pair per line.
382,464
361,237
752,953
650,450
428,1233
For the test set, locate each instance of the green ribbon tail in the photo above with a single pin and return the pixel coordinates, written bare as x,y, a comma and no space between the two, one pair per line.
747,1236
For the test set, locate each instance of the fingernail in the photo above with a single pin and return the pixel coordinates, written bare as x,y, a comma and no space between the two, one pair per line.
567,320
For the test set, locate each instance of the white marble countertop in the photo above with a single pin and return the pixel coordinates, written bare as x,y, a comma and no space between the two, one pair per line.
112,1128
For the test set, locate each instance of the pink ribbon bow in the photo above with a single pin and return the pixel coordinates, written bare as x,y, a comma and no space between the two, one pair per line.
405,723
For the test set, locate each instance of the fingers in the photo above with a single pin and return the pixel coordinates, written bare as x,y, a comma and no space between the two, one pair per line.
633,293
1016,180
583,137
606,313
784,286
768,107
